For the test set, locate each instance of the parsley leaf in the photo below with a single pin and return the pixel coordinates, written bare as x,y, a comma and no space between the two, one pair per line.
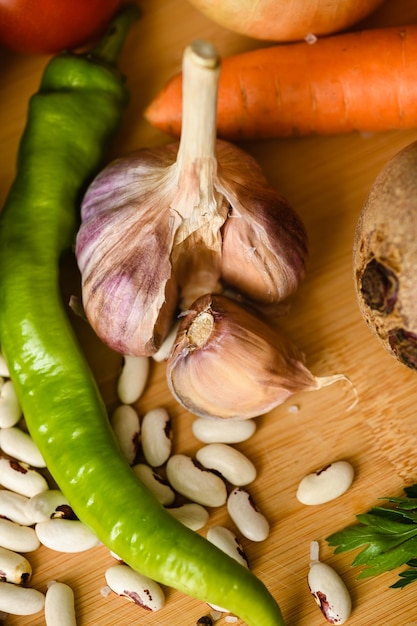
387,536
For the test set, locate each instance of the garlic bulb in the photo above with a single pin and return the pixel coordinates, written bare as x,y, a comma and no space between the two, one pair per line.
228,362
162,227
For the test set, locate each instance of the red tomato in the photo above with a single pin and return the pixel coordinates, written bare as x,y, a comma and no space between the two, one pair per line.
49,26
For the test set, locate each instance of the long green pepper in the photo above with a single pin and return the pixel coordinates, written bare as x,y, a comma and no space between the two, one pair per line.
71,120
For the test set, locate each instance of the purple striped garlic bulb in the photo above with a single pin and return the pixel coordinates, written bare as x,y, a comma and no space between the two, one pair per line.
162,227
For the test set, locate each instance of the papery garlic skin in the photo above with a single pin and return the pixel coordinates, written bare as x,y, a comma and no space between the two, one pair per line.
229,363
265,244
123,250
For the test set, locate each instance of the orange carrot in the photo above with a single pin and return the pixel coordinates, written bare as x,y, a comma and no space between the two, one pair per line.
364,81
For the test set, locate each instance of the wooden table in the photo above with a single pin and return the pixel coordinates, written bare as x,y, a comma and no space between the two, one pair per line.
327,179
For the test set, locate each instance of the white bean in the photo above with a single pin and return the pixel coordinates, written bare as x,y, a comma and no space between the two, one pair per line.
232,464
20,445
330,592
44,505
65,535
165,350
137,588
13,506
219,430
226,541
245,514
116,556
19,477
133,378
197,484
17,538
14,567
126,427
20,600
59,605
4,370
155,484
156,436
325,484
10,410
190,514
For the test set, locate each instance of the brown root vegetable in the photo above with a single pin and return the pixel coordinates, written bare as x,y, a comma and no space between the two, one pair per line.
385,257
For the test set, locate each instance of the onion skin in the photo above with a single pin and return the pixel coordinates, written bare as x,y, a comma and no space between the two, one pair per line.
385,257
242,368
286,20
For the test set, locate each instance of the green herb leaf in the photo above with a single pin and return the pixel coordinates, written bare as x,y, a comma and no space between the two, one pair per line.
403,503
411,491
387,561
395,514
407,576
388,536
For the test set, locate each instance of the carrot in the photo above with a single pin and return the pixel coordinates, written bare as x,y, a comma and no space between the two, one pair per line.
363,81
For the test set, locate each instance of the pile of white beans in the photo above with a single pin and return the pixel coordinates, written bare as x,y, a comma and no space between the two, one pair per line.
218,475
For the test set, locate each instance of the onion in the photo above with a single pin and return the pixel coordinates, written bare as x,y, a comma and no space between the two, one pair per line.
284,20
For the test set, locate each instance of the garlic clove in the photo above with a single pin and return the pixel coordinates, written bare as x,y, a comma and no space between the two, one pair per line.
123,252
265,245
229,363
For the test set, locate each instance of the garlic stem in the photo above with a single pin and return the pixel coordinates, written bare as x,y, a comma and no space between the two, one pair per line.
201,71
202,207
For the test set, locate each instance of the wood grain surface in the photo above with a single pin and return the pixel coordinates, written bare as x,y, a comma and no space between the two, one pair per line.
327,180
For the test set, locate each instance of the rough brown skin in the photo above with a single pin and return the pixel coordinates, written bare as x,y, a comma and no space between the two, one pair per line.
385,257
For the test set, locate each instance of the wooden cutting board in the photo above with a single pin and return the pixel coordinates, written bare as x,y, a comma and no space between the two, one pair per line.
327,180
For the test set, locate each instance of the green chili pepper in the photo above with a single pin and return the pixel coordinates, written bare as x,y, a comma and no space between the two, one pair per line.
71,120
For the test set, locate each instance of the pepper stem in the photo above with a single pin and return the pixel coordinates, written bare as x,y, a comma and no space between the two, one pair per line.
108,49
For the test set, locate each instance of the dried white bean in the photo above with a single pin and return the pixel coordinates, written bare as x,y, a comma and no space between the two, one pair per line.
19,477
20,600
17,538
155,483
13,506
133,378
126,427
137,588
65,535
325,484
14,567
215,615
45,504
197,484
232,464
330,592
190,514
4,370
10,410
219,430
59,605
20,445
245,514
156,436
165,350
226,541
